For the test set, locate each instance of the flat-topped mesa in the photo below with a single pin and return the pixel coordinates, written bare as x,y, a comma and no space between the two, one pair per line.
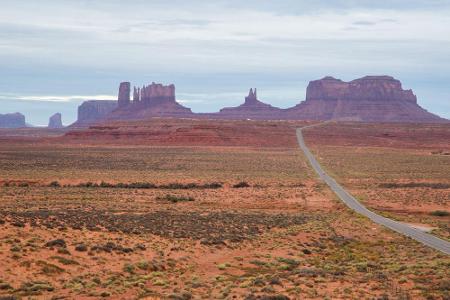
368,88
124,94
369,99
15,120
154,93
92,111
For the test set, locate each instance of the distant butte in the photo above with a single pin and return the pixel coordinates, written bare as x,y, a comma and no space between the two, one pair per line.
153,100
367,99
15,120
55,121
252,108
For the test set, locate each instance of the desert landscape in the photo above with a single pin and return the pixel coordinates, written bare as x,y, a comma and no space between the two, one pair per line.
97,213
255,150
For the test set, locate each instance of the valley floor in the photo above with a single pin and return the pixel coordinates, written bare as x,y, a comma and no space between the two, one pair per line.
124,221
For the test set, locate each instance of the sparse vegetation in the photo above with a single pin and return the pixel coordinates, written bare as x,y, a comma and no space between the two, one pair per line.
415,185
241,184
440,213
118,235
176,199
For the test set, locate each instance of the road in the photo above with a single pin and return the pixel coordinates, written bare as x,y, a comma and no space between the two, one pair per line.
351,202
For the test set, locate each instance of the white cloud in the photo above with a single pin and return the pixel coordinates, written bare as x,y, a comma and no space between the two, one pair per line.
57,98
108,41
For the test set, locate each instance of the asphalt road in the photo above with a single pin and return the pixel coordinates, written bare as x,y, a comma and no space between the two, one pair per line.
350,201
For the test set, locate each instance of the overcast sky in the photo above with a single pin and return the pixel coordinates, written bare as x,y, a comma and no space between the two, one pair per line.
56,53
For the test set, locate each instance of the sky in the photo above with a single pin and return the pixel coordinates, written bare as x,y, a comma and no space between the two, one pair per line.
54,54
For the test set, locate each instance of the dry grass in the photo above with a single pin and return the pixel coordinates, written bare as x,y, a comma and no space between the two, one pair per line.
283,233
393,168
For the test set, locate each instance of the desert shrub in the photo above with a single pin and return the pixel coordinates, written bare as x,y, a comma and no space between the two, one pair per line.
54,184
5,286
105,185
213,185
306,251
129,268
65,261
241,184
35,287
392,185
49,269
175,199
87,184
290,263
148,185
24,184
81,248
139,185
56,243
440,213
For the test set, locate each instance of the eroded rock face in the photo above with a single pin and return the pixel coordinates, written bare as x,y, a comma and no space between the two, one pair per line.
370,88
252,108
94,110
124,94
55,121
154,93
371,99
153,100
15,120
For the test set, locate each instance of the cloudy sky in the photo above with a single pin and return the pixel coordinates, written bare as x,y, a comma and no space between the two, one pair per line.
56,53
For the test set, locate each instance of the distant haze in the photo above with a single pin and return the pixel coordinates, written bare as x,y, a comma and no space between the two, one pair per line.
55,54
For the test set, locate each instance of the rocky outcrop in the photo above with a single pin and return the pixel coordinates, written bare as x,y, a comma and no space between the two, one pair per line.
370,99
252,108
154,100
55,121
92,111
154,94
124,94
369,88
15,120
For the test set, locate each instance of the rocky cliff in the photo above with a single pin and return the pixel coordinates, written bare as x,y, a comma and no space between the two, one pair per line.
55,121
153,100
16,120
123,98
252,108
371,99
368,99
92,111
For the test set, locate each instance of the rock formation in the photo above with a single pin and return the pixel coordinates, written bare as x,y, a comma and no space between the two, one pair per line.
92,111
124,94
370,99
15,120
369,88
154,100
156,93
55,121
252,108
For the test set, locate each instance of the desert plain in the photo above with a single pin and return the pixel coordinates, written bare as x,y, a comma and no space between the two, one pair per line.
199,209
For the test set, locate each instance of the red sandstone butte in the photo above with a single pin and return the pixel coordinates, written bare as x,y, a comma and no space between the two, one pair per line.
55,121
252,108
369,99
15,120
154,100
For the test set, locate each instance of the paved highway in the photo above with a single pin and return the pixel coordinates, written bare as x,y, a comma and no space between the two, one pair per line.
350,201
